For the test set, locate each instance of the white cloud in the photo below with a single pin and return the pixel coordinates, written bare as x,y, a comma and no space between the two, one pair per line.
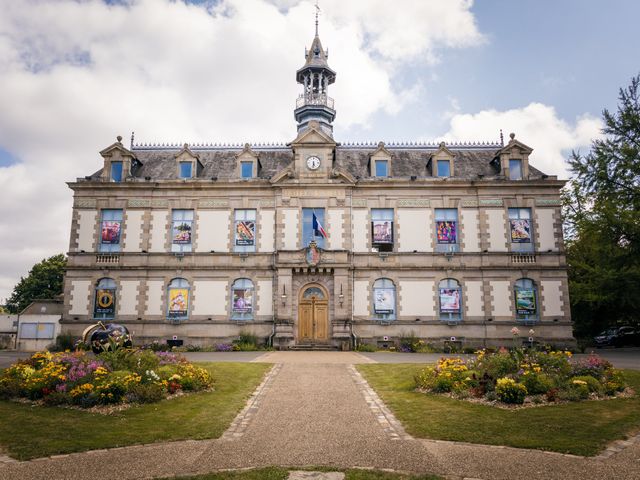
536,125
74,74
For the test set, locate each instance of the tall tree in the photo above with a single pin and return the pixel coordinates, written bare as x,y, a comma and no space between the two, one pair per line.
43,281
602,221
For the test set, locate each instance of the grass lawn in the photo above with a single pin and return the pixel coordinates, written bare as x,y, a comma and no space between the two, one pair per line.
582,428
31,431
279,473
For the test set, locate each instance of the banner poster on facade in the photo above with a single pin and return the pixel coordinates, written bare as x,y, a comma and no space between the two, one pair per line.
520,231
446,231
245,232
178,302
382,231
450,300
105,302
111,232
181,232
242,300
384,300
525,302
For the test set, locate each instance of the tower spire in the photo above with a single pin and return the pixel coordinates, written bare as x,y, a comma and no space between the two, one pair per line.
315,76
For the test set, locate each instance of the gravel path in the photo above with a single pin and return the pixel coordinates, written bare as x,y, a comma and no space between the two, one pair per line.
315,409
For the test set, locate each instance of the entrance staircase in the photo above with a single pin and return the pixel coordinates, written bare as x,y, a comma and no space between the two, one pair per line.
314,347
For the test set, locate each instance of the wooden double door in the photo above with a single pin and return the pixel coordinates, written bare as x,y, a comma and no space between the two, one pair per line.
313,315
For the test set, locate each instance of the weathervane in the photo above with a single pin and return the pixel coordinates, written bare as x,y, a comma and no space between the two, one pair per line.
317,13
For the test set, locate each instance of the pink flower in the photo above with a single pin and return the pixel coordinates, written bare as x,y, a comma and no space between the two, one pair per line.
515,331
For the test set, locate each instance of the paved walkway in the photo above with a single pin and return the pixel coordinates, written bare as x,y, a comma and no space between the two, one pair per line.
315,409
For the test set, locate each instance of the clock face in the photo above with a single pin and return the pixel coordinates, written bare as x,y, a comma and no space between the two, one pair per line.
313,162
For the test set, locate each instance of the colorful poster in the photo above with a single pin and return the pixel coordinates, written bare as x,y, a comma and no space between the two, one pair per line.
242,300
450,300
111,232
520,231
382,231
384,300
526,302
245,232
181,232
105,302
178,302
446,231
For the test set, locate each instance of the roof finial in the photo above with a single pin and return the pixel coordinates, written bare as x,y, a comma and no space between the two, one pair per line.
132,138
317,13
501,138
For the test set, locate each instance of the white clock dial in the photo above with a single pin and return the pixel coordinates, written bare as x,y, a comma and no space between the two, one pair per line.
313,162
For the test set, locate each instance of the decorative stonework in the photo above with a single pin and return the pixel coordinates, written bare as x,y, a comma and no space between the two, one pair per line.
469,203
159,203
139,203
359,202
267,204
213,203
491,202
548,202
85,203
413,202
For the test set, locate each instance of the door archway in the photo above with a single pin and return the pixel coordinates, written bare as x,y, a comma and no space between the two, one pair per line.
313,314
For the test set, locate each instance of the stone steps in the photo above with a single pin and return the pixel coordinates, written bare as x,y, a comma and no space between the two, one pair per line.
314,347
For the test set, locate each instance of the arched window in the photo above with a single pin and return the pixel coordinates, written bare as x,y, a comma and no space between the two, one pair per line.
450,299
526,299
384,299
105,304
178,299
242,299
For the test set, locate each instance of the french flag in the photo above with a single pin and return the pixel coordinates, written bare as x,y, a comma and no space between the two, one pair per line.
317,227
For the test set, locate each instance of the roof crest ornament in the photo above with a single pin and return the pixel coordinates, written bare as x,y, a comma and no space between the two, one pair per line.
317,13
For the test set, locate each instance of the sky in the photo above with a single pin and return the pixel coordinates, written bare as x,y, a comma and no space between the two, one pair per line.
75,74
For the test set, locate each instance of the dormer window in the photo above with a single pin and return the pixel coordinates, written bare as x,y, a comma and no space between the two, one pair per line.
246,169
444,168
116,171
382,168
515,169
186,169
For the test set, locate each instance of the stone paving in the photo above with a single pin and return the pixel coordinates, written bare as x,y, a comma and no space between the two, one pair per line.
315,409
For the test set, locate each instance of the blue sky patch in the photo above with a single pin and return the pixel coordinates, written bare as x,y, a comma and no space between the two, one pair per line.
6,158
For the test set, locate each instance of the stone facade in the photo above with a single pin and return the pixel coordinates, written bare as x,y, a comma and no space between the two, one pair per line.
233,224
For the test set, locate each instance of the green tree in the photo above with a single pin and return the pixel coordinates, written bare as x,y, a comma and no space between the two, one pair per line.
602,222
43,281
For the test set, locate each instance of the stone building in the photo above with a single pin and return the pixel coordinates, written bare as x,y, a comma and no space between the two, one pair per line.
319,242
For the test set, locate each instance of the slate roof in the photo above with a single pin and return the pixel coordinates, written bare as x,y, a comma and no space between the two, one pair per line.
159,162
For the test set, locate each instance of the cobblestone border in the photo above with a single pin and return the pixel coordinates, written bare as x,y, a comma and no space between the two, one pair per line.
239,425
617,447
386,419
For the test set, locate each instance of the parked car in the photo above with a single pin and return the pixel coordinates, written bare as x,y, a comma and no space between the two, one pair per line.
618,337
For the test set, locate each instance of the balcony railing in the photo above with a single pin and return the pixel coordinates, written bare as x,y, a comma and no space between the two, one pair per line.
320,99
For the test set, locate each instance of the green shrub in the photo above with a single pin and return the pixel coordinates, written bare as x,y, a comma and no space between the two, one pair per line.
593,384
119,359
574,392
248,338
64,342
245,347
145,393
442,384
537,383
366,347
508,391
498,365
425,378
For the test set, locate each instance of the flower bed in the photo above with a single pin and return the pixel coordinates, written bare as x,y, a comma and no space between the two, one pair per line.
114,377
518,376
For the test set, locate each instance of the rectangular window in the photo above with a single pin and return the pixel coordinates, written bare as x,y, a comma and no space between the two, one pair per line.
110,229
382,168
521,230
247,169
447,230
116,171
515,169
185,170
181,230
382,229
444,168
308,232
245,231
